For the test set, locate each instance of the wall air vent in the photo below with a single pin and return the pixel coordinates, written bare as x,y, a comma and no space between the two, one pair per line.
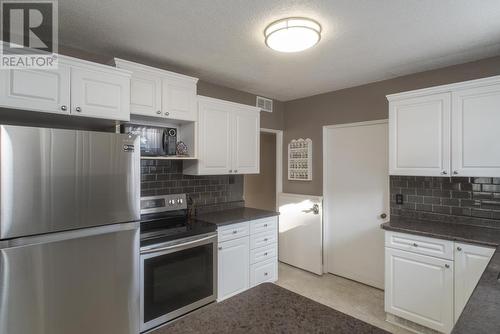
265,104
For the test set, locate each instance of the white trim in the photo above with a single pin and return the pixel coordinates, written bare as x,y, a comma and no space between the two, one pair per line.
229,104
445,88
71,61
129,65
279,160
325,189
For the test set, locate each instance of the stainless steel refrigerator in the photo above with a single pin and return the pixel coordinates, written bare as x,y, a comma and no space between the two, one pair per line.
69,236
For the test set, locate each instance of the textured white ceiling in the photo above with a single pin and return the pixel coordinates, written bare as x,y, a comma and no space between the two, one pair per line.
222,40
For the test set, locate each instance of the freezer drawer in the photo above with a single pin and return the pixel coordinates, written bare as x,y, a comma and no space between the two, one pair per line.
56,180
76,282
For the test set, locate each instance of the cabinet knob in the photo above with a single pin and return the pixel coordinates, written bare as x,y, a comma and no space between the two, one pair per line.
383,216
167,113
265,239
265,274
415,244
234,232
446,265
265,225
265,254
230,171
220,248
158,112
455,172
444,172
78,109
459,249
236,171
64,108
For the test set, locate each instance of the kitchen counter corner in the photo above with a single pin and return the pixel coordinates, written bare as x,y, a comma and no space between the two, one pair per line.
236,215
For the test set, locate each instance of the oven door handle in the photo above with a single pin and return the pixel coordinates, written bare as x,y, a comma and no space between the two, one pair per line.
184,244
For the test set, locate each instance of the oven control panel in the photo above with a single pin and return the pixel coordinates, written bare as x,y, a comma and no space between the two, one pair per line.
162,203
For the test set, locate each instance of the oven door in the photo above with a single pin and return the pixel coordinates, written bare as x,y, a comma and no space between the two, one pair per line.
177,277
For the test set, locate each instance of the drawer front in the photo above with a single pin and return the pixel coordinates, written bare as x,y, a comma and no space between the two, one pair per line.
420,245
263,225
266,271
233,231
263,239
263,253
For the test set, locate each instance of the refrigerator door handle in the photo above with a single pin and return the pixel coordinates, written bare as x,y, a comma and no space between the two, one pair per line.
67,235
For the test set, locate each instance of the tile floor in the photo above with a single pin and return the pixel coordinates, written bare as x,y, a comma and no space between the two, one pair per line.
355,299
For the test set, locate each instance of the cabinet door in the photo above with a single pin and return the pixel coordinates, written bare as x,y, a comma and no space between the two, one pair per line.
419,288
475,119
233,267
179,100
214,139
470,263
246,139
145,94
419,136
38,90
100,94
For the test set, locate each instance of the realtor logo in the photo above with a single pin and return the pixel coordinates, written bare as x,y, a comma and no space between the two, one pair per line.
29,34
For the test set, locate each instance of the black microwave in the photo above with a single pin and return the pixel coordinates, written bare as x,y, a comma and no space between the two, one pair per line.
155,141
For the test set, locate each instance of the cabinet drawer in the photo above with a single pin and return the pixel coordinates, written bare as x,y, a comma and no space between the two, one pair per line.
263,239
263,225
266,271
232,231
420,245
263,253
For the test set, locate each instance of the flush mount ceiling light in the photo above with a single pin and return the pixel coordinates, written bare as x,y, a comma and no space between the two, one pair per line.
292,34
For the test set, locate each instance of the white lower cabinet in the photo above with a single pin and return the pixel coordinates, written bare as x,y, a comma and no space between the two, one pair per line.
233,267
247,255
428,283
419,288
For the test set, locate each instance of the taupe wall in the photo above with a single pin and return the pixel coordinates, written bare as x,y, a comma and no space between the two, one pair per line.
274,120
260,189
305,117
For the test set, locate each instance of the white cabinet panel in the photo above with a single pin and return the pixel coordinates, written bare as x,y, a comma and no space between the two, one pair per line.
39,90
246,157
266,271
100,95
263,253
420,289
264,225
179,100
470,263
232,231
475,120
419,135
145,94
233,267
263,239
214,142
419,244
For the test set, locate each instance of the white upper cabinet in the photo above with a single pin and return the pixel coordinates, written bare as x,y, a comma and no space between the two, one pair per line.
420,135
475,131
37,90
447,130
76,87
246,151
159,93
228,138
100,95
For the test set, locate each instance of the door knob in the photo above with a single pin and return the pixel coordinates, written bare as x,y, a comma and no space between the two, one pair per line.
383,216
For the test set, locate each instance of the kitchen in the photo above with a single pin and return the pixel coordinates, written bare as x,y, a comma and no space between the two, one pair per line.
146,189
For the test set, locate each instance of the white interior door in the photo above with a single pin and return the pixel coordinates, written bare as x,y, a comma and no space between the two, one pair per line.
356,190
301,231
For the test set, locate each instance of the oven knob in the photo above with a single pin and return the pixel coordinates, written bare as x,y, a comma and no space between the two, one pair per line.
180,200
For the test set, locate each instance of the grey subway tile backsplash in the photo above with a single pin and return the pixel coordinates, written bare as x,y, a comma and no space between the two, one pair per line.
208,192
464,200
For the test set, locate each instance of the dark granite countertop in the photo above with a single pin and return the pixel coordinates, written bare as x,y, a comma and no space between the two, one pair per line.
482,312
236,215
267,309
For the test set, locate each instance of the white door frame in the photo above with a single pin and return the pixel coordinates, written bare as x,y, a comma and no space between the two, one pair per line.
279,160
326,243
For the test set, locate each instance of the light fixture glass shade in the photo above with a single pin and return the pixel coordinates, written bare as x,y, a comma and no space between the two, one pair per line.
292,34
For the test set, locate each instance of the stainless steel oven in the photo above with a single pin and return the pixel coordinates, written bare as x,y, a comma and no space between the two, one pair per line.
178,270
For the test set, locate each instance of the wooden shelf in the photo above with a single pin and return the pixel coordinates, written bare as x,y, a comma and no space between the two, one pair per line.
170,157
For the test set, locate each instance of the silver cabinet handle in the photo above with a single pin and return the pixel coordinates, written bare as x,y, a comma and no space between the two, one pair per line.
383,216
236,171
192,242
446,265
158,112
230,171
265,274
64,108
265,254
167,113
265,239
455,172
459,249
234,232
415,244
220,248
78,109
444,172
265,225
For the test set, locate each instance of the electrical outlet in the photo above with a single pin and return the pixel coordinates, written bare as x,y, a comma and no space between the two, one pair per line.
399,199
